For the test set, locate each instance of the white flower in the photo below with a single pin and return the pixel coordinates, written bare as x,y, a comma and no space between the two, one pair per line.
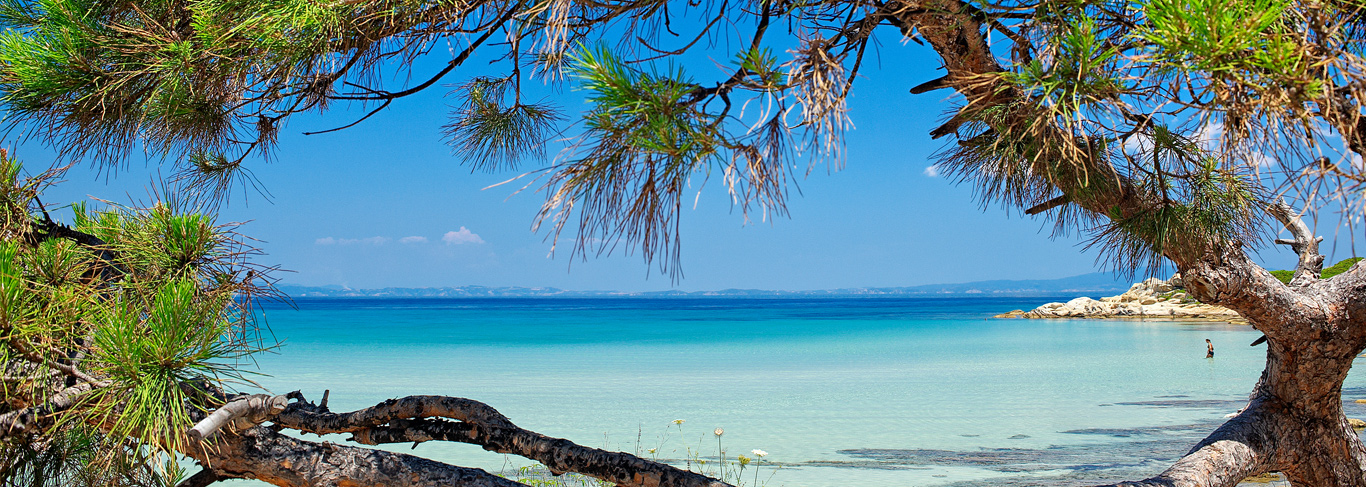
759,453
719,432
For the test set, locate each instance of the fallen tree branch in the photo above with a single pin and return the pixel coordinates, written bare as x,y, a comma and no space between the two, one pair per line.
241,413
408,420
263,454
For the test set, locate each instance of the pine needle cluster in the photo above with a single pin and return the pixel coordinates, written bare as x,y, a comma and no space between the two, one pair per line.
114,331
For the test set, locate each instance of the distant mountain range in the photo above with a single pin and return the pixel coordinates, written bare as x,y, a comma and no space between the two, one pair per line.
1097,283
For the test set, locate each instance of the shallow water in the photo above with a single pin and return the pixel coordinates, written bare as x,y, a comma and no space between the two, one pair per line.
838,391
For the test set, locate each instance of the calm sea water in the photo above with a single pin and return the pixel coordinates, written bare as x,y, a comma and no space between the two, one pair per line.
839,391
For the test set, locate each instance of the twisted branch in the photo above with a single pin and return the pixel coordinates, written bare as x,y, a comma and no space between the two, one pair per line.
263,454
30,419
241,413
1303,243
420,418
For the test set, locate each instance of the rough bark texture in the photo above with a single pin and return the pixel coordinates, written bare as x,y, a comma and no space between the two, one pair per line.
407,420
261,453
33,419
241,413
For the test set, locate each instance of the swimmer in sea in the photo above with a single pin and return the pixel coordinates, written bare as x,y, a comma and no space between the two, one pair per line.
1210,346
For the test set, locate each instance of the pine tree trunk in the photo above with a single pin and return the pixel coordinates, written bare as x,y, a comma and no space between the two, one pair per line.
1299,398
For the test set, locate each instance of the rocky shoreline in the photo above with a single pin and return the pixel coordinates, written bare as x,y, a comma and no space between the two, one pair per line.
1152,299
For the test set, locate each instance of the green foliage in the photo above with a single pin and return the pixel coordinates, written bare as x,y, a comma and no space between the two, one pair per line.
99,78
153,352
77,456
490,134
1247,42
1339,267
137,316
1082,73
764,66
1328,273
641,144
640,115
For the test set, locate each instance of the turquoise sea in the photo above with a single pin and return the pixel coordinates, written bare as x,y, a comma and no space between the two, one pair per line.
838,391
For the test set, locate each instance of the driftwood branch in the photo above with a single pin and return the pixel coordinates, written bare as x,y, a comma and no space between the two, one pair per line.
415,419
1303,243
241,413
263,454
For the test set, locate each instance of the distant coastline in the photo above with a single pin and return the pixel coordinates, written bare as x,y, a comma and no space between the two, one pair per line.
1097,283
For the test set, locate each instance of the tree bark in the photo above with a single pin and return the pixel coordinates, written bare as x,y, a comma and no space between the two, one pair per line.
241,413
414,419
262,453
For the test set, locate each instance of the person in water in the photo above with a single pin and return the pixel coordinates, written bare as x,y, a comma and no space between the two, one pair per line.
1210,347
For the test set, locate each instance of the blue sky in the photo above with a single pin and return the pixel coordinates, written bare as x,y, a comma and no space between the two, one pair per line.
386,204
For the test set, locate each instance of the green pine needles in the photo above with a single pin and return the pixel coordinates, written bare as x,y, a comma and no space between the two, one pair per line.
490,134
1202,109
1156,127
119,329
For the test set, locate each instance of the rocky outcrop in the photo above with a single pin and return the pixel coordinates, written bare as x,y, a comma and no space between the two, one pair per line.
1150,299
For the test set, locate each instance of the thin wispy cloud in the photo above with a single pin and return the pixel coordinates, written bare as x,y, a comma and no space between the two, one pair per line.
415,239
461,236
377,240
932,171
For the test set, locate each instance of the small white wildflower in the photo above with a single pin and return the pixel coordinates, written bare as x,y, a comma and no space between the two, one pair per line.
759,453
719,432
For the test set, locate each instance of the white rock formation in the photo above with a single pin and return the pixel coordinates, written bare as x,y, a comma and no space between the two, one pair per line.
1150,299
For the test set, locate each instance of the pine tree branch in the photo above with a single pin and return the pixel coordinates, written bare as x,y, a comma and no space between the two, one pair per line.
1304,243
263,454
241,413
450,66
1055,202
410,419
31,419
